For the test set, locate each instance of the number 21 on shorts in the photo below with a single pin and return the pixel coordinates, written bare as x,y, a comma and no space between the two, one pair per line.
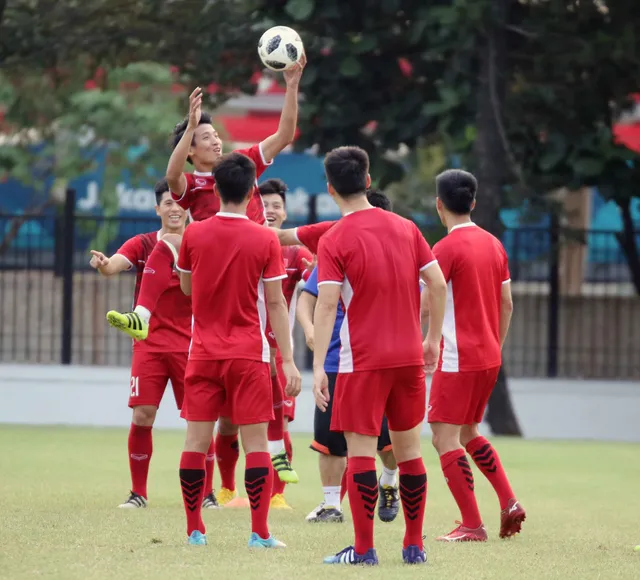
134,386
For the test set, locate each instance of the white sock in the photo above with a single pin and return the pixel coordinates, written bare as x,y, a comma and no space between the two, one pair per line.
143,313
276,447
388,477
332,496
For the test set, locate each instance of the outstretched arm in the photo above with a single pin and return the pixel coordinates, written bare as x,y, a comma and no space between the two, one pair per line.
109,266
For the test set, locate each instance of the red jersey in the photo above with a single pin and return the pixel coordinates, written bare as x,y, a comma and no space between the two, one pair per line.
310,235
202,202
229,311
170,325
475,266
376,256
296,271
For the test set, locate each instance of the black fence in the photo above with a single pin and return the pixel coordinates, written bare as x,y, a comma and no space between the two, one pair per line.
576,312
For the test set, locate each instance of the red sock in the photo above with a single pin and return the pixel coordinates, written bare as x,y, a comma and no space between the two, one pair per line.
362,484
227,452
288,445
209,468
192,475
459,476
258,480
343,483
276,426
413,493
488,461
156,276
140,451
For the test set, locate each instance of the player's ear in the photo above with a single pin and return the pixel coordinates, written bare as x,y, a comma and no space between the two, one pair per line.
368,181
473,205
157,208
215,190
331,190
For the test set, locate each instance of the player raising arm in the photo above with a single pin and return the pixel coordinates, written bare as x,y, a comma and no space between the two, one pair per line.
233,269
477,319
163,356
370,260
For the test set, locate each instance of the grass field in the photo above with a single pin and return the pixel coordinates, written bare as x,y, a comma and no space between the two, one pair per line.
59,488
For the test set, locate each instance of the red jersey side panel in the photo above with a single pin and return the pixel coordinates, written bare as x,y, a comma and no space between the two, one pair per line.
170,325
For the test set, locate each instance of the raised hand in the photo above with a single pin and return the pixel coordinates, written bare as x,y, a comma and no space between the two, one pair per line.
98,260
293,75
195,108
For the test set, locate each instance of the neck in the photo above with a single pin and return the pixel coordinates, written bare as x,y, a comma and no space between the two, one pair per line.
351,205
169,230
240,209
453,220
203,168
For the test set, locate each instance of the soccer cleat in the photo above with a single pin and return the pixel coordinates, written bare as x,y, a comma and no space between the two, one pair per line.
224,496
279,503
511,519
414,555
197,538
282,466
130,323
255,541
210,502
327,514
134,501
463,534
389,503
349,556
314,512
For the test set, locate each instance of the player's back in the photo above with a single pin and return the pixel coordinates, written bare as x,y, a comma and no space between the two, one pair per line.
380,256
475,265
228,254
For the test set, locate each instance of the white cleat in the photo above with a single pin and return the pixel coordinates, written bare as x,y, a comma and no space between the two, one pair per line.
134,501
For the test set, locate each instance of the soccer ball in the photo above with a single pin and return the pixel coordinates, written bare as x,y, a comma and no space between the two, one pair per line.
280,48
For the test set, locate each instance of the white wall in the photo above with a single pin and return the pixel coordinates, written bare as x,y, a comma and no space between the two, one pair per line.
97,396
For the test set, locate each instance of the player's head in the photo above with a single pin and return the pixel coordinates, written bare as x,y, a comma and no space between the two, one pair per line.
235,178
172,215
206,146
274,197
347,170
456,191
379,199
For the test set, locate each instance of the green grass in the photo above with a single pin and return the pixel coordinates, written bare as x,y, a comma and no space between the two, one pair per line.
59,488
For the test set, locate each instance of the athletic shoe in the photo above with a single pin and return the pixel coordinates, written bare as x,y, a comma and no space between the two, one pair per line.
134,501
210,502
255,541
130,323
462,534
282,465
349,556
327,514
511,519
389,502
414,555
224,496
314,512
197,539
279,503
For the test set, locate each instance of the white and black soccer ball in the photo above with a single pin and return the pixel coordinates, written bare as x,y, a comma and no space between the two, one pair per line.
280,48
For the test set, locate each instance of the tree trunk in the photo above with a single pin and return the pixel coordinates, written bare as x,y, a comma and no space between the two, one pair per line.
490,162
627,241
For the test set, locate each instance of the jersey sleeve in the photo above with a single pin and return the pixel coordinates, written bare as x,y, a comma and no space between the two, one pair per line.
310,235
444,259
184,258
131,250
311,285
255,154
274,268
330,267
506,274
303,254
423,251
184,198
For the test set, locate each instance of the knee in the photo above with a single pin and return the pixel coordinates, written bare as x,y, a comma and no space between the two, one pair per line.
468,434
226,427
444,442
174,239
144,416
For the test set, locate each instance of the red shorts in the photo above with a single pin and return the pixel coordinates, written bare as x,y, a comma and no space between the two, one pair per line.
239,389
150,372
460,398
289,402
362,398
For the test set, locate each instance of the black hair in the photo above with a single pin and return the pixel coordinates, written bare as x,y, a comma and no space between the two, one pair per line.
347,169
160,188
379,199
181,127
274,186
235,177
457,190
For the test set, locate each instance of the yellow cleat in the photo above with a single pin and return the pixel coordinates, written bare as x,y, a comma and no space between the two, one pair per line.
224,496
282,466
130,323
279,503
